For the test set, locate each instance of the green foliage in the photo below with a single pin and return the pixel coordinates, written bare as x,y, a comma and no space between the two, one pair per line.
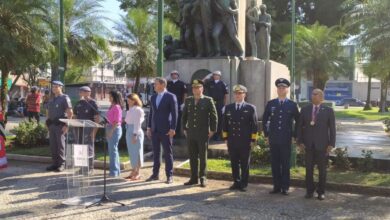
341,161
358,113
30,134
319,53
366,164
75,74
260,155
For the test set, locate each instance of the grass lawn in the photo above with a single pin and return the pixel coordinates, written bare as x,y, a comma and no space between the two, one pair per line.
354,177
45,151
358,113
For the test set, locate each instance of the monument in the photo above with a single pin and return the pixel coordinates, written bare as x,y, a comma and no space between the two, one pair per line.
232,36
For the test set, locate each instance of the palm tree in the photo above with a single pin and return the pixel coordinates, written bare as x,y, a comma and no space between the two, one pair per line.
138,31
319,53
372,20
22,36
84,32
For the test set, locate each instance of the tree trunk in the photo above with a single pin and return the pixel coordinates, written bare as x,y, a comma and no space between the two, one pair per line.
15,81
137,82
319,80
368,100
382,106
54,72
4,87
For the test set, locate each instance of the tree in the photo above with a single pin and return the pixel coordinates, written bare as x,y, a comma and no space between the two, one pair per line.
372,18
21,35
84,32
138,31
319,53
171,8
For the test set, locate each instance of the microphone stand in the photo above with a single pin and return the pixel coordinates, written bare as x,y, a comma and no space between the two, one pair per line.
104,198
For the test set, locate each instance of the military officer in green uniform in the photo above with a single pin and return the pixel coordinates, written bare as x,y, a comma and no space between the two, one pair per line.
199,122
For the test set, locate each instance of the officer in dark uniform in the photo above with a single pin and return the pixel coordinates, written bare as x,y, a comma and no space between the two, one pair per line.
278,118
217,90
240,132
59,107
179,88
87,109
199,122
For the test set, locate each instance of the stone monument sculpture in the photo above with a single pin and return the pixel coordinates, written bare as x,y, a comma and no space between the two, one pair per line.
263,34
252,17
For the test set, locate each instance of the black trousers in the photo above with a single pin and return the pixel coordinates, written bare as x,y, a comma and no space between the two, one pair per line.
280,164
197,149
240,159
314,156
32,115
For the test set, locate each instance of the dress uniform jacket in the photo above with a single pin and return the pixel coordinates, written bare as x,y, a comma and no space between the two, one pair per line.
240,126
278,121
199,119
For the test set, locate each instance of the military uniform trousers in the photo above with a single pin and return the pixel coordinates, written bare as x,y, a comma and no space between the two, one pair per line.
240,159
197,149
280,163
57,144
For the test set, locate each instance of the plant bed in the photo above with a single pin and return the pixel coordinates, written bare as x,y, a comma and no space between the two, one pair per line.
347,181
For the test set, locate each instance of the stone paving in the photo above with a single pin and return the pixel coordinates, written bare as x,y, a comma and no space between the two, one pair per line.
27,192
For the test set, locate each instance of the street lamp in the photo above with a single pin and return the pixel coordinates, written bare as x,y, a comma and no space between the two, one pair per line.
160,38
293,158
61,43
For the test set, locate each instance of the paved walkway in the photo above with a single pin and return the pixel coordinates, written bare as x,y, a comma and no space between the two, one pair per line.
26,192
357,135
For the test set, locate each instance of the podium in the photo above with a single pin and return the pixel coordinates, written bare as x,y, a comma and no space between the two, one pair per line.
78,159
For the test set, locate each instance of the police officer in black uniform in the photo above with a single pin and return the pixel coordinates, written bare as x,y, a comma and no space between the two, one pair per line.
217,90
179,88
59,107
278,118
87,109
240,133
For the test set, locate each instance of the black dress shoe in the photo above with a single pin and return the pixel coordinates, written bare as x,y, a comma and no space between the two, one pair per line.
169,180
285,192
191,182
60,169
309,195
203,183
275,191
152,178
321,197
51,168
235,186
243,189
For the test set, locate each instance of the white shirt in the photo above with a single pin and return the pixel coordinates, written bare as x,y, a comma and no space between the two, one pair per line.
174,80
135,116
240,104
216,81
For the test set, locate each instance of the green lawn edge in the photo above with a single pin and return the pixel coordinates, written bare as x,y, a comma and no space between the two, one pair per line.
335,176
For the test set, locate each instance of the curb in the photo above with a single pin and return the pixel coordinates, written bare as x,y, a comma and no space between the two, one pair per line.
339,187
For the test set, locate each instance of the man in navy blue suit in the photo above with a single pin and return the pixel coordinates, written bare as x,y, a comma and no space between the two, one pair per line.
161,128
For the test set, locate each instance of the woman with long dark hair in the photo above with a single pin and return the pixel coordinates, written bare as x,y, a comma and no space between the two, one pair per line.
114,131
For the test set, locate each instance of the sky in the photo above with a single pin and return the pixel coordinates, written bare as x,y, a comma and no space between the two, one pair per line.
113,12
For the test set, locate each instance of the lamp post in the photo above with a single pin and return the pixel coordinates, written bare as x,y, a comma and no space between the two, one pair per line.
61,68
293,95
160,38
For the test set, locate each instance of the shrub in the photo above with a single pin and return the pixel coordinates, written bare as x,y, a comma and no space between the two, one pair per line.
341,161
386,125
366,164
30,134
260,155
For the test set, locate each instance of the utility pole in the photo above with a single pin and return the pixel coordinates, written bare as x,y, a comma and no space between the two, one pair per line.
61,67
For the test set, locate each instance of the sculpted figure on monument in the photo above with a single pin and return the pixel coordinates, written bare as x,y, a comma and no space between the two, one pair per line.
263,33
224,12
252,17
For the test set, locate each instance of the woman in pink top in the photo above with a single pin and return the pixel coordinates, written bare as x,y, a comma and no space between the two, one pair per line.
114,131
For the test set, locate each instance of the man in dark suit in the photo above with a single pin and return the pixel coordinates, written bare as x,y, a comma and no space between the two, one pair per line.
161,128
240,133
199,123
316,137
179,88
278,118
217,89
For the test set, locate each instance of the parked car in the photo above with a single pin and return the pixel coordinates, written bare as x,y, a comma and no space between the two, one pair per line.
351,102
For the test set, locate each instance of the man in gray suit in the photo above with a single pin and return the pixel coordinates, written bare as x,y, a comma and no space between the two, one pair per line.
316,137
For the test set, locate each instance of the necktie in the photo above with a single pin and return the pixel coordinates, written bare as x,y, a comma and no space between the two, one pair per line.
158,99
281,103
238,107
314,116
